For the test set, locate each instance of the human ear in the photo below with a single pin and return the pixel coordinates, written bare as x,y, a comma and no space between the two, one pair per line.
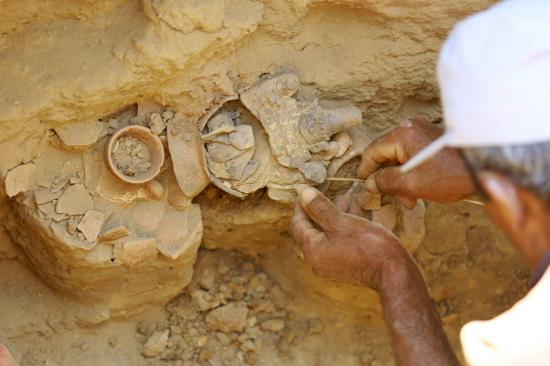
504,205
519,213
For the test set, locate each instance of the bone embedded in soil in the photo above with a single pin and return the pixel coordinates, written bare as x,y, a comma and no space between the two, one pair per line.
131,156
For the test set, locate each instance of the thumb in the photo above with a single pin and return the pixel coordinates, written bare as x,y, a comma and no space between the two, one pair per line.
319,208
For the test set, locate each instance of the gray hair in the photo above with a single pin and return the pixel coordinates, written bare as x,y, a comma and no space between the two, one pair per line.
526,165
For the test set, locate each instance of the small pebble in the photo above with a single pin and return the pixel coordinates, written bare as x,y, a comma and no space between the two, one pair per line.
273,325
167,115
251,358
316,326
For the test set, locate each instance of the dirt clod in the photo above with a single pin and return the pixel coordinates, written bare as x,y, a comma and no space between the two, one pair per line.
273,325
156,343
316,326
156,123
227,318
131,156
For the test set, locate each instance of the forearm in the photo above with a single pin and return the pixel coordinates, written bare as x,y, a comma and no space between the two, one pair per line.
417,335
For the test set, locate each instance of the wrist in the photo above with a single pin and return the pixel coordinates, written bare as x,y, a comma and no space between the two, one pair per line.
410,317
399,275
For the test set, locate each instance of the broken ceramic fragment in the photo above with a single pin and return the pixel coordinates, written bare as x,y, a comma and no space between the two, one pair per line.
242,137
235,167
113,234
43,195
179,230
83,219
48,209
282,195
186,150
75,200
80,136
295,127
175,195
221,152
359,142
219,124
274,140
344,142
19,179
91,224
135,251
155,189
61,234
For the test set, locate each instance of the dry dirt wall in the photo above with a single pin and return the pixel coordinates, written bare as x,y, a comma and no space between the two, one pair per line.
76,60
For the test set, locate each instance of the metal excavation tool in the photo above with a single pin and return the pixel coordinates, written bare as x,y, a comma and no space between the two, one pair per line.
337,179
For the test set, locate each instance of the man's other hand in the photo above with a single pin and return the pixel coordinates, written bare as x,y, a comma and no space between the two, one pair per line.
6,358
344,247
442,178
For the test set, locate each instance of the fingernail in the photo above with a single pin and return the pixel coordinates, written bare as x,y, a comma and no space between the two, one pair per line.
370,184
407,123
307,195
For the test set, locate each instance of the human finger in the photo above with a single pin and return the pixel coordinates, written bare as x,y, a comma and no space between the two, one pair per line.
342,202
382,150
408,202
306,234
302,227
354,209
319,208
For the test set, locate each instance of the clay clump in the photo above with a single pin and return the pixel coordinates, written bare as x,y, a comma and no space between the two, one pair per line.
131,156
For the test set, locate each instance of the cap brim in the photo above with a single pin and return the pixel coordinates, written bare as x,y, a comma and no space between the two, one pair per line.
426,153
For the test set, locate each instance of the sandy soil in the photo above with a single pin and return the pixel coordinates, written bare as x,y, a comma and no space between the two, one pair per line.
474,275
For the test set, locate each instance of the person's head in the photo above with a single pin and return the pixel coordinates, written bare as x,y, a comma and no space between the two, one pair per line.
515,184
494,76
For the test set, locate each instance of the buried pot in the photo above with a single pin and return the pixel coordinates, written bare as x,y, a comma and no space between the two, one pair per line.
134,154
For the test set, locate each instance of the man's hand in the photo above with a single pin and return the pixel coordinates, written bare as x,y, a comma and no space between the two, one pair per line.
6,358
442,178
350,249
345,247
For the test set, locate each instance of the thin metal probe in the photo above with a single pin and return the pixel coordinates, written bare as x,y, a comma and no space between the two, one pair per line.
338,179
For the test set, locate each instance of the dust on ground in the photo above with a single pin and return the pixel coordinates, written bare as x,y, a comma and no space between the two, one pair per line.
235,313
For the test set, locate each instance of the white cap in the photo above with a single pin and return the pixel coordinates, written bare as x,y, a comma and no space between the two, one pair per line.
516,337
494,76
